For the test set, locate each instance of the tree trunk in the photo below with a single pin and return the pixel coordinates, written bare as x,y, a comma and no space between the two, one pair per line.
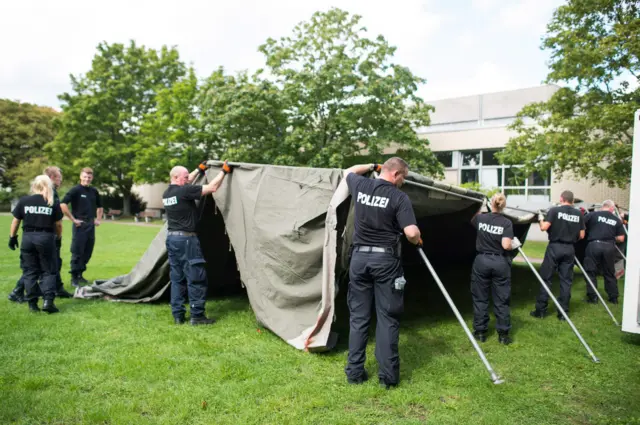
126,203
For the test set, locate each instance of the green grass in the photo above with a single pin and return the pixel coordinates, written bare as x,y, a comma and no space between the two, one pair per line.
534,249
114,363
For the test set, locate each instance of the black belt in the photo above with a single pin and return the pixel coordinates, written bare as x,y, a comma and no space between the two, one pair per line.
491,253
601,241
181,233
34,229
364,248
562,242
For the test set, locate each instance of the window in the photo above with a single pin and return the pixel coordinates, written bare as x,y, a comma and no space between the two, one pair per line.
540,179
470,158
445,158
513,176
468,176
489,158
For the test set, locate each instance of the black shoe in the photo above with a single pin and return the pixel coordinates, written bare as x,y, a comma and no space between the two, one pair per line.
538,314
480,335
360,379
33,306
592,300
82,280
503,338
16,297
202,321
49,307
75,282
561,318
613,300
385,384
62,293
179,320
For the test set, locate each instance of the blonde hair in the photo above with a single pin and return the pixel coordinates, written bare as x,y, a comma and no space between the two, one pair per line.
498,202
42,185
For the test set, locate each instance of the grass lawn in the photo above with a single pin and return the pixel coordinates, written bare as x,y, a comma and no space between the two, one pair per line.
111,363
534,249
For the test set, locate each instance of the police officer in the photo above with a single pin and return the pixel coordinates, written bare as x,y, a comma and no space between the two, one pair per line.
41,222
565,226
186,262
604,229
382,214
17,295
86,214
492,269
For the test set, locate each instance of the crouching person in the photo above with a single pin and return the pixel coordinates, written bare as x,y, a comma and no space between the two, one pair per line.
491,270
186,263
41,224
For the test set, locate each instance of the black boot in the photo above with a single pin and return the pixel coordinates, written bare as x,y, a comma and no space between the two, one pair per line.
538,314
75,282
204,320
62,293
16,296
503,337
592,300
613,300
82,280
360,379
49,307
179,320
33,306
480,335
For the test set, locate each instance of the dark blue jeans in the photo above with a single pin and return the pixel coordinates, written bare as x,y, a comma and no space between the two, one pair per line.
371,281
188,275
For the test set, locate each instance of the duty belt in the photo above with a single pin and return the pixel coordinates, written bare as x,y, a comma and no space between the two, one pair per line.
601,241
364,248
492,253
36,229
181,233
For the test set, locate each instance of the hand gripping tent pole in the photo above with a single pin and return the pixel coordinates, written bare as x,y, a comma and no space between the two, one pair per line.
586,276
560,309
494,377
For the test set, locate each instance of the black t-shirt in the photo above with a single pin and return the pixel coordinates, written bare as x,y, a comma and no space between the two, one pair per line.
491,228
84,200
179,203
603,226
382,211
566,223
36,214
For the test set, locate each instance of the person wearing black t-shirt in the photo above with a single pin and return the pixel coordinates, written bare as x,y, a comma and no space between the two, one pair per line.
565,226
17,295
186,262
492,269
382,214
41,222
604,229
86,215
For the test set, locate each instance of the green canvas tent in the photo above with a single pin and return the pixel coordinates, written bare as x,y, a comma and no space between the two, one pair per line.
284,234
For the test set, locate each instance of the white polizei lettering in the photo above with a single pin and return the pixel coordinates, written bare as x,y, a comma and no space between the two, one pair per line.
38,210
608,221
372,201
170,201
496,230
569,217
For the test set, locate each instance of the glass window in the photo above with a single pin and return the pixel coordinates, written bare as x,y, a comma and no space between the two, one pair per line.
470,158
468,176
508,192
489,158
491,177
514,176
540,179
446,158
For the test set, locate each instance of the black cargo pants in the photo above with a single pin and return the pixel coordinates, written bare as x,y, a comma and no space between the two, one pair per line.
84,238
560,257
371,277
491,273
39,265
187,273
601,254
20,283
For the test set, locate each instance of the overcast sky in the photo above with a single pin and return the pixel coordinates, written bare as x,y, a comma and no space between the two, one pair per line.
461,47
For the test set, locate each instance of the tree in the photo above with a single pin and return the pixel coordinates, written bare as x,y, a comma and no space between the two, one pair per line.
101,124
24,130
332,94
586,127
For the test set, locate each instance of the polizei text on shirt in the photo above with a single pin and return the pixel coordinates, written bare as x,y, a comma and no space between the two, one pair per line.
606,220
373,201
170,201
496,230
38,210
569,217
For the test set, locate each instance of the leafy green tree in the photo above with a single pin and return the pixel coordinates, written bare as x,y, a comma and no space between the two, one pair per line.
331,94
586,128
24,131
102,120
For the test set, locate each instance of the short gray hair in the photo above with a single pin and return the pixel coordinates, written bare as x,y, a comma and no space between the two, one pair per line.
177,170
608,204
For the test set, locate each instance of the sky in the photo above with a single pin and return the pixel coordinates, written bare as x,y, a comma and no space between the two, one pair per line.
461,47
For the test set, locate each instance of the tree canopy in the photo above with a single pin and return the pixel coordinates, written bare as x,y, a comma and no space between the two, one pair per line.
586,128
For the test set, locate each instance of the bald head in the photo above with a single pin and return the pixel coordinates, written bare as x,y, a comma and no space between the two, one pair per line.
179,175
